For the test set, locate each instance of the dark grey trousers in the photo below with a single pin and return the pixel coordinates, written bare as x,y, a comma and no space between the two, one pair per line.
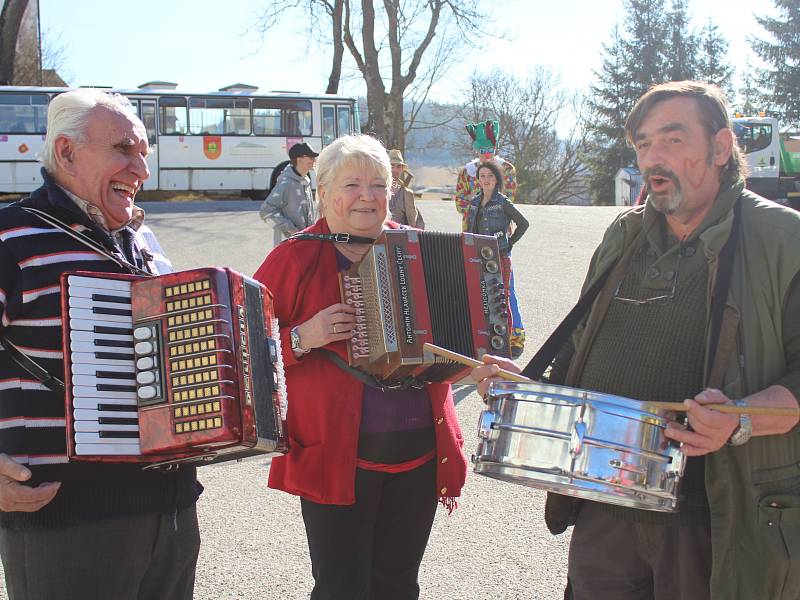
146,557
616,559
372,550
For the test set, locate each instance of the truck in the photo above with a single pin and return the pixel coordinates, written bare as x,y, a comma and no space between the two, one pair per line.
773,158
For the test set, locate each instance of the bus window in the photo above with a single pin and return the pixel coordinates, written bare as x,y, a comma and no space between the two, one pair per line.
266,121
328,125
23,113
345,123
282,116
173,115
219,116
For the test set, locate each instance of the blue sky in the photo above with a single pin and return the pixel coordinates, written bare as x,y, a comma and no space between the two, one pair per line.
202,44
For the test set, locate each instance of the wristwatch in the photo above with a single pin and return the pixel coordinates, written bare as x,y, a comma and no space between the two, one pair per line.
744,431
294,336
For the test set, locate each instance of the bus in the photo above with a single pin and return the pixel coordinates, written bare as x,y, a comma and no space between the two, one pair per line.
228,140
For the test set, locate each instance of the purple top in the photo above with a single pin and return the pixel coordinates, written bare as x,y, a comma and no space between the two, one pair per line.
397,425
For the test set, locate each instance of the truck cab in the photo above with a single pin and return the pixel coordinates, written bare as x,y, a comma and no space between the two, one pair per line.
773,158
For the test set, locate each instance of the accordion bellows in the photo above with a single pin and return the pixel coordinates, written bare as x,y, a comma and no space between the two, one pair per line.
415,287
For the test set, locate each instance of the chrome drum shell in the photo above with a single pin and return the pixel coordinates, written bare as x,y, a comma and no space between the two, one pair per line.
579,443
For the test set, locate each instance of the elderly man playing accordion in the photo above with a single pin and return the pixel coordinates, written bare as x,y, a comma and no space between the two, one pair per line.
79,530
665,327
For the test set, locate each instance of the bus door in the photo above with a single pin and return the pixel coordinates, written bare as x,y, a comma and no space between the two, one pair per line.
337,120
148,116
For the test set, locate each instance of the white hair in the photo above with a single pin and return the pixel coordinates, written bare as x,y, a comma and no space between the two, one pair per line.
360,151
68,116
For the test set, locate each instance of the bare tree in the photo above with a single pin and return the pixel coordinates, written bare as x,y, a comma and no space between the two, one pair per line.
392,45
529,110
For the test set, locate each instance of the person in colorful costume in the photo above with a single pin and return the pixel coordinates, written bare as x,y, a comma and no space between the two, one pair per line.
484,141
650,334
369,464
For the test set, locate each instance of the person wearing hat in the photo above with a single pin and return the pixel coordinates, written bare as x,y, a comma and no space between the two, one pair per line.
401,204
289,207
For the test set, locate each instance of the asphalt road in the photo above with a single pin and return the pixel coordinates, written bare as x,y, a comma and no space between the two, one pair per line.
495,545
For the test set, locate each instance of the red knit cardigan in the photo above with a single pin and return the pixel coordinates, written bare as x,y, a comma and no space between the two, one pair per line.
324,401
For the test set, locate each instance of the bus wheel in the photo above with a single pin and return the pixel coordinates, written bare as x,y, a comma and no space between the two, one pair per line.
256,194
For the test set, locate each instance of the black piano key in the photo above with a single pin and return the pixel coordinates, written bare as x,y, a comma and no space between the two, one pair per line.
117,421
114,356
118,434
103,387
112,330
114,375
113,343
122,312
116,407
108,298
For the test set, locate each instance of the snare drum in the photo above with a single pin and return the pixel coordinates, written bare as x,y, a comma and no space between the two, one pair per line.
579,443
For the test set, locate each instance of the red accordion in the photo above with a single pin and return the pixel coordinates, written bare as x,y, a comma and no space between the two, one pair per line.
414,287
175,368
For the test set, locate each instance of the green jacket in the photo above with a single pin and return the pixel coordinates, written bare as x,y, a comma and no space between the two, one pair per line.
754,489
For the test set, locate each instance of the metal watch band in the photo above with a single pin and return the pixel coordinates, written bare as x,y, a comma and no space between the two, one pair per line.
744,431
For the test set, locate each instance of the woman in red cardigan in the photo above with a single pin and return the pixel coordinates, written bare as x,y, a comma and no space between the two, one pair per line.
368,465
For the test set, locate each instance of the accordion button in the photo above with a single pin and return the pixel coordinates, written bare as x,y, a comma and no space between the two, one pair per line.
143,348
142,333
146,392
145,363
145,377
443,491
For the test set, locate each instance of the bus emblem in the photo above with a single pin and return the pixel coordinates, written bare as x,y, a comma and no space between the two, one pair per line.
212,146
23,148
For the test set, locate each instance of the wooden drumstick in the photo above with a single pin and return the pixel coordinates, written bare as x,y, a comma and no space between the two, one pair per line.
673,406
471,362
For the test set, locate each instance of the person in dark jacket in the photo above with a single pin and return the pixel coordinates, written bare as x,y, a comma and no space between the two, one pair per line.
491,213
664,328
80,530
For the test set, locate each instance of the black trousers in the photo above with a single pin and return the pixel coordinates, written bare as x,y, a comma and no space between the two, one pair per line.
147,557
372,550
616,559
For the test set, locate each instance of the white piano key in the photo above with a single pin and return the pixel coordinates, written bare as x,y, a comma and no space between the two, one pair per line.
92,369
92,380
98,282
89,325
92,414
93,402
88,358
90,336
94,438
86,313
76,346
88,292
80,391
76,302
108,449
94,427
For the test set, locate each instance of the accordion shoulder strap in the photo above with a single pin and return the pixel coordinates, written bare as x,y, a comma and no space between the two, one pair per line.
341,238
85,240
31,366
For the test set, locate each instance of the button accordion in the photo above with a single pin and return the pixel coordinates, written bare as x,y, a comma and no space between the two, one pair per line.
175,368
415,287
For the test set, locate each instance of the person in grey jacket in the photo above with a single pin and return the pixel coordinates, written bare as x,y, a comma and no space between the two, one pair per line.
289,207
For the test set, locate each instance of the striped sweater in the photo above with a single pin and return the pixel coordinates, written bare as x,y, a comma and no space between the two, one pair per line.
32,426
